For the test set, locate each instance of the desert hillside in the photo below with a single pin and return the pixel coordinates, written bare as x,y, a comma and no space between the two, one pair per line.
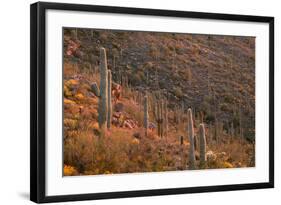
212,75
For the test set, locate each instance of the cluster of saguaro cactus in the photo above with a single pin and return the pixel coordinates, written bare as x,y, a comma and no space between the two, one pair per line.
104,93
160,112
202,142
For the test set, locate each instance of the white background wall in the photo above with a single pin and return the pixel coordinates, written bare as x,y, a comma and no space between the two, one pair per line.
14,100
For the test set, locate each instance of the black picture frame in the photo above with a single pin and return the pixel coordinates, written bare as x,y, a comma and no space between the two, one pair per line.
38,98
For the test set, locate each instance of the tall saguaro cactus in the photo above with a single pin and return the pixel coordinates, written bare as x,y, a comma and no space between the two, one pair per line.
190,129
158,113
103,104
166,124
102,92
232,130
202,141
146,116
109,106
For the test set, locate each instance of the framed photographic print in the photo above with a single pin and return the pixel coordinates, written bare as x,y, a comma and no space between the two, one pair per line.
129,102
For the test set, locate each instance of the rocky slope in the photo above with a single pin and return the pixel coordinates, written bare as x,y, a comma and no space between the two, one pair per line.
210,73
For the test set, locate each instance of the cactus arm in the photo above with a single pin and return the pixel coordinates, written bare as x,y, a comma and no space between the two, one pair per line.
95,89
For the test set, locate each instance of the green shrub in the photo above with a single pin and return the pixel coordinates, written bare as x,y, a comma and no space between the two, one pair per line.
178,92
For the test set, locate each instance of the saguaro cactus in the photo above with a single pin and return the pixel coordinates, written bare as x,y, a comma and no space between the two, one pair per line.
176,114
102,92
190,129
166,125
146,116
109,106
158,113
181,112
232,130
202,141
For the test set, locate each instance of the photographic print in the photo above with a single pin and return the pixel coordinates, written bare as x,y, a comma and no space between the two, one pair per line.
133,102
139,101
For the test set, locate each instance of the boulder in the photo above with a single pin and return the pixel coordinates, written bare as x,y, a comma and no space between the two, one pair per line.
211,156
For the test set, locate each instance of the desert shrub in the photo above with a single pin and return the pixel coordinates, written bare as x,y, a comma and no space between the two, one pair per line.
205,106
178,92
225,107
187,75
179,49
69,171
228,99
66,91
70,123
166,51
154,51
137,78
210,117
79,96
149,65
131,110
250,135
78,151
235,120
219,163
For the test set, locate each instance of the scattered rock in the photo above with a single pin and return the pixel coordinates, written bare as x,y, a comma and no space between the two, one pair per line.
68,102
72,82
137,135
79,96
115,122
227,165
77,77
135,141
72,47
66,91
117,114
151,126
70,123
78,54
211,156
129,123
119,107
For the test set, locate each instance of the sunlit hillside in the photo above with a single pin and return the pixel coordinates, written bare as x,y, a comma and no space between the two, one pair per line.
213,76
